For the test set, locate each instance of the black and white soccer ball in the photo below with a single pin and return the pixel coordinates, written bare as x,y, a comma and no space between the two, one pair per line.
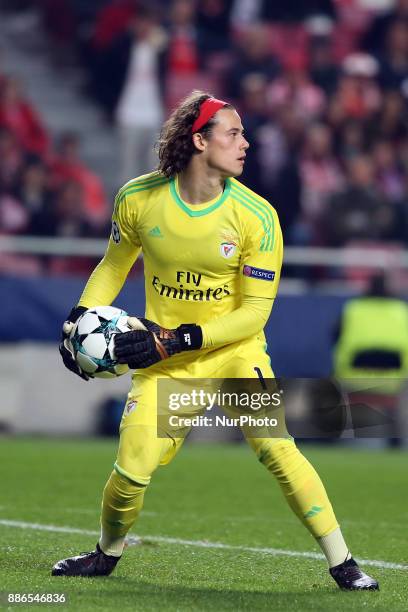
93,339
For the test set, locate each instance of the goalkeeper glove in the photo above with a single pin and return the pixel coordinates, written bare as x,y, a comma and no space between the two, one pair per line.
65,347
141,349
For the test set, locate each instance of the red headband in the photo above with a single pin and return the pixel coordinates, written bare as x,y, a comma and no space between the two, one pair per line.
207,110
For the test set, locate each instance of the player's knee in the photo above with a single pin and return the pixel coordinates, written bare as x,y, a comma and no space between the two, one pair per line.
134,472
139,454
280,457
126,484
122,502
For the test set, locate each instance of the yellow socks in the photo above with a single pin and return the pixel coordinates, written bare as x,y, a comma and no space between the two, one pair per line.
121,505
306,495
300,483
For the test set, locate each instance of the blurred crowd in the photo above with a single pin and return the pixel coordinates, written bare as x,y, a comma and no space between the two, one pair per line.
321,85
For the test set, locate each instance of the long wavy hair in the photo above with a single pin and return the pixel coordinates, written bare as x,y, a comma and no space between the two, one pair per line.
175,146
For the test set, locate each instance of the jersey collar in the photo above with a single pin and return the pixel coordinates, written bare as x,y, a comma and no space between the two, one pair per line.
189,209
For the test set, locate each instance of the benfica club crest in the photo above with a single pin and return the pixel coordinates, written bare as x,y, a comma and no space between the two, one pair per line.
228,249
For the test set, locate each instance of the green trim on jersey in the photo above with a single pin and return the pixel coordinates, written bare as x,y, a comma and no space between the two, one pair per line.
156,180
141,180
205,211
144,187
261,210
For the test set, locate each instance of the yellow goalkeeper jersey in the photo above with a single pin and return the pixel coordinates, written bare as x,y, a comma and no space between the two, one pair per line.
199,260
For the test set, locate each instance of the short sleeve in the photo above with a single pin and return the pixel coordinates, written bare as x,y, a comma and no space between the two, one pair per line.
261,261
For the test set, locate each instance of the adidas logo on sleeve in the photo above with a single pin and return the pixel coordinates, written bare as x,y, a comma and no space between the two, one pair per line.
155,232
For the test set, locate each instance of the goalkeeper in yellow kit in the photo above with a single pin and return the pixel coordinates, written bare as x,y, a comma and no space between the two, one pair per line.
212,258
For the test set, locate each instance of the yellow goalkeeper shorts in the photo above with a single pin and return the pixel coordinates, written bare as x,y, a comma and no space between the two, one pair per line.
142,447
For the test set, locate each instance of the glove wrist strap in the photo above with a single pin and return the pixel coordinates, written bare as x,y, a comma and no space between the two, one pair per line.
75,313
190,336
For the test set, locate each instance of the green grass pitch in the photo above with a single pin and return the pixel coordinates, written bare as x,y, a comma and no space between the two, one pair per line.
209,494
